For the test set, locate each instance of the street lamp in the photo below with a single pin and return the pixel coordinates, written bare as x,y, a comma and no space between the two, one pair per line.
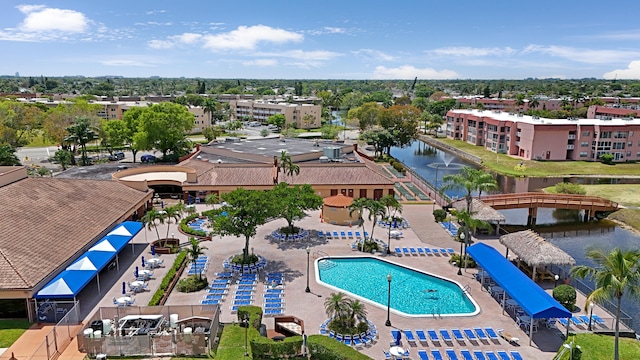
591,305
388,323
308,252
460,261
556,277
245,323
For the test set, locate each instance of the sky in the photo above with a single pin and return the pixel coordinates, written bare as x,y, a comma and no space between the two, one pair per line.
327,39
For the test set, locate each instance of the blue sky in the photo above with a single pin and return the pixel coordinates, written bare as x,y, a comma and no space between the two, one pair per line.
325,39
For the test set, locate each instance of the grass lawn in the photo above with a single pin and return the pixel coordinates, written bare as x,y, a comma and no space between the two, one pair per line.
11,330
596,347
507,165
40,141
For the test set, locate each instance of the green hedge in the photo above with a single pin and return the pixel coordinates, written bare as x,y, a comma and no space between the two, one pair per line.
187,230
321,347
157,296
255,315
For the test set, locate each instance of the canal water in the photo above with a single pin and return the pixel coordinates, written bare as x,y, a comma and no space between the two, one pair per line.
560,227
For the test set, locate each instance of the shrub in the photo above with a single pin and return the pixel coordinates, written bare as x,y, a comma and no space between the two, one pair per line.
238,259
338,325
368,246
607,159
398,166
566,295
255,315
164,285
569,188
187,230
455,258
192,283
439,215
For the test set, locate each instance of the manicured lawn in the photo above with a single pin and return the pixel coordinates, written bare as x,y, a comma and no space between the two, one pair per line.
11,330
597,347
507,165
232,342
630,217
39,141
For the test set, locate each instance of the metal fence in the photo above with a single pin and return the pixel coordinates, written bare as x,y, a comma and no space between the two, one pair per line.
585,289
57,340
438,197
171,340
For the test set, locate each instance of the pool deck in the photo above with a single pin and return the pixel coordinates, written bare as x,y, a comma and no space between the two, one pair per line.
291,259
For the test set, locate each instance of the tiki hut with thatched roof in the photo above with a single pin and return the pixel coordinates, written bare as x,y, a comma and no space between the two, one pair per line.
535,254
481,211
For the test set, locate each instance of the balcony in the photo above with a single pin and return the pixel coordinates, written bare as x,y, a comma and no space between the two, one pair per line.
570,147
518,134
572,137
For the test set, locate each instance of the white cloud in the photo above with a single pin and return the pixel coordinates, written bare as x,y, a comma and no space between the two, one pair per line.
589,56
248,37
134,60
629,35
410,72
334,30
310,55
375,54
161,44
42,19
261,62
172,41
187,38
153,12
471,51
631,72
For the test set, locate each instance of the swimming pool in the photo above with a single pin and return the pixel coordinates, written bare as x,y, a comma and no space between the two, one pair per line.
414,293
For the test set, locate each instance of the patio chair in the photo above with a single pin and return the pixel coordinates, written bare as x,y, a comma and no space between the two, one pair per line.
347,340
599,320
387,355
479,355
422,354
457,334
576,321
366,338
435,353
491,355
273,312
343,234
503,355
515,355
435,251
451,354
444,334
395,336
413,251
481,334
214,297
210,302
405,251
408,334
470,335
466,354
551,323
320,234
332,334
450,251
358,236
433,336
421,336
335,235
420,251
366,234
427,251
510,338
398,251
443,251
349,234
357,342
492,334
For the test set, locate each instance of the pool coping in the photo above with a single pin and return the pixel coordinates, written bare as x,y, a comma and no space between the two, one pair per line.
397,312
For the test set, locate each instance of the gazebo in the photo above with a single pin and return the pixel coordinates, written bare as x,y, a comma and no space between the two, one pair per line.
481,211
533,250
335,210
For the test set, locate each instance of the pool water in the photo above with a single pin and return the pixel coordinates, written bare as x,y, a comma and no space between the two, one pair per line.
413,292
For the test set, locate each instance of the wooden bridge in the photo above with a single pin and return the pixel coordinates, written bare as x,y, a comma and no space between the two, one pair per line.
534,200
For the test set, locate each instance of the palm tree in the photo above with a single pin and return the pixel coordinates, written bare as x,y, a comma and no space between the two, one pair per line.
81,133
173,213
616,273
336,306
149,220
212,199
357,311
287,165
359,205
470,180
376,209
534,103
194,252
210,105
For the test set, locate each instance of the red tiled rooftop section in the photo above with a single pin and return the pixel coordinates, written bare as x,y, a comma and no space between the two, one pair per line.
339,200
46,221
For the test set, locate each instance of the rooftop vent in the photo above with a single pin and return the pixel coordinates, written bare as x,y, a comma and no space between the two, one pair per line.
332,152
536,117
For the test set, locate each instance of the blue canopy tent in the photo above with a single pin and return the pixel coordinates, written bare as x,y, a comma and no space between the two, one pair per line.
537,303
76,276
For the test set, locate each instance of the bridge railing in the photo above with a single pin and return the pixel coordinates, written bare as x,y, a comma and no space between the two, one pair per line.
543,198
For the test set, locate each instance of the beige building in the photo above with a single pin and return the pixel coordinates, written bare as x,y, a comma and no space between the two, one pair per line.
304,116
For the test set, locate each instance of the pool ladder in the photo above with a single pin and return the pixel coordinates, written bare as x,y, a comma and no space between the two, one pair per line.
326,264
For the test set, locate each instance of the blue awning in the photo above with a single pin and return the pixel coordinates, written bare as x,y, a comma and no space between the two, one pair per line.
74,278
531,297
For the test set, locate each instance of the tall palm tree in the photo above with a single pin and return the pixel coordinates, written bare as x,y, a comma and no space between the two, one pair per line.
534,103
174,213
287,165
357,311
150,220
376,209
336,306
194,252
616,273
81,133
212,199
359,205
209,106
470,180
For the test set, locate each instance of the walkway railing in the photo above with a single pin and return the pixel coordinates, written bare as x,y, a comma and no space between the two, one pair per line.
438,197
536,199
607,305
59,337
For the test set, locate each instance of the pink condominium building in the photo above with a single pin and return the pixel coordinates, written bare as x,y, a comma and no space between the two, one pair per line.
535,138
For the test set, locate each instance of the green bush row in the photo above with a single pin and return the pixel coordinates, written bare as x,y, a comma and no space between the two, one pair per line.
164,285
321,347
397,165
255,315
187,230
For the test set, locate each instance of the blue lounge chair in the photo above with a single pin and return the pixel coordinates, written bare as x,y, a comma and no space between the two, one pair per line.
470,335
445,335
576,321
563,321
358,235
435,251
598,320
242,302
343,235
395,335
273,300
451,354
466,354
421,336
458,335
443,251
420,251
491,355
327,235
273,312
274,306
435,353
479,355
210,302
491,333
503,355
515,354
350,234
387,355
427,251
335,235
422,354
413,251
405,251
398,251
433,336
214,297
450,251
480,334
366,234
320,234
409,335
242,297
357,342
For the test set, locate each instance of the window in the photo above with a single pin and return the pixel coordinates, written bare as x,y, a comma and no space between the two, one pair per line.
605,135
584,144
586,133
363,193
618,145
629,144
583,154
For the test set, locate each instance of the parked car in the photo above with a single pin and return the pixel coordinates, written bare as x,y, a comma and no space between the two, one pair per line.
119,155
146,158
